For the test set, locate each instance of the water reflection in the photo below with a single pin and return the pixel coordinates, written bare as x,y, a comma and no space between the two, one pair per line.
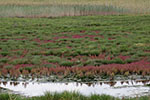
128,88
89,84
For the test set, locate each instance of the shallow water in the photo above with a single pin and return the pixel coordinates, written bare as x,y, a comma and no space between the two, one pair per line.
117,89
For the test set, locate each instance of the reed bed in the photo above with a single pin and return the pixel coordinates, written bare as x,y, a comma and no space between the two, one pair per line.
50,8
57,10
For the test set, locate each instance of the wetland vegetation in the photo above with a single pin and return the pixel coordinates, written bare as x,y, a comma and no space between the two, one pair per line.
74,41
80,47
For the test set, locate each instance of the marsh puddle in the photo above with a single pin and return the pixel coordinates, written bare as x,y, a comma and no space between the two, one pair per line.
116,88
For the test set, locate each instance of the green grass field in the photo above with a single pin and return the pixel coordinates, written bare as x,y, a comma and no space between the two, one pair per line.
58,46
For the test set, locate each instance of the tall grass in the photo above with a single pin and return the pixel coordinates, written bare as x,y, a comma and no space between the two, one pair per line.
57,10
53,8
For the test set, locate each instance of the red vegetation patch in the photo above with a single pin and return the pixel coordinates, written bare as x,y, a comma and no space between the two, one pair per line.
90,36
24,53
44,41
147,51
111,38
141,68
37,40
83,31
21,39
1,56
69,47
124,57
45,62
48,41
77,36
4,39
96,32
61,37
100,56
108,57
16,50
22,66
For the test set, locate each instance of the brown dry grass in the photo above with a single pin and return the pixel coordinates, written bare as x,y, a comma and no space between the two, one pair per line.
133,6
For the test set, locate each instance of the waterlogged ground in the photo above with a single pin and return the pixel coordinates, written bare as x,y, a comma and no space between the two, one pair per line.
128,88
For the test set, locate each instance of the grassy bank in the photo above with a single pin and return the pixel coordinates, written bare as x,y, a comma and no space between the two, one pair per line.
50,8
67,96
77,46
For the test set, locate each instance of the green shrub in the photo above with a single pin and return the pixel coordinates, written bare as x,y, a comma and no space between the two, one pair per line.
85,53
103,49
94,52
54,60
28,69
4,53
36,52
118,61
67,63
4,97
88,62
9,66
19,61
36,60
49,66
3,60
